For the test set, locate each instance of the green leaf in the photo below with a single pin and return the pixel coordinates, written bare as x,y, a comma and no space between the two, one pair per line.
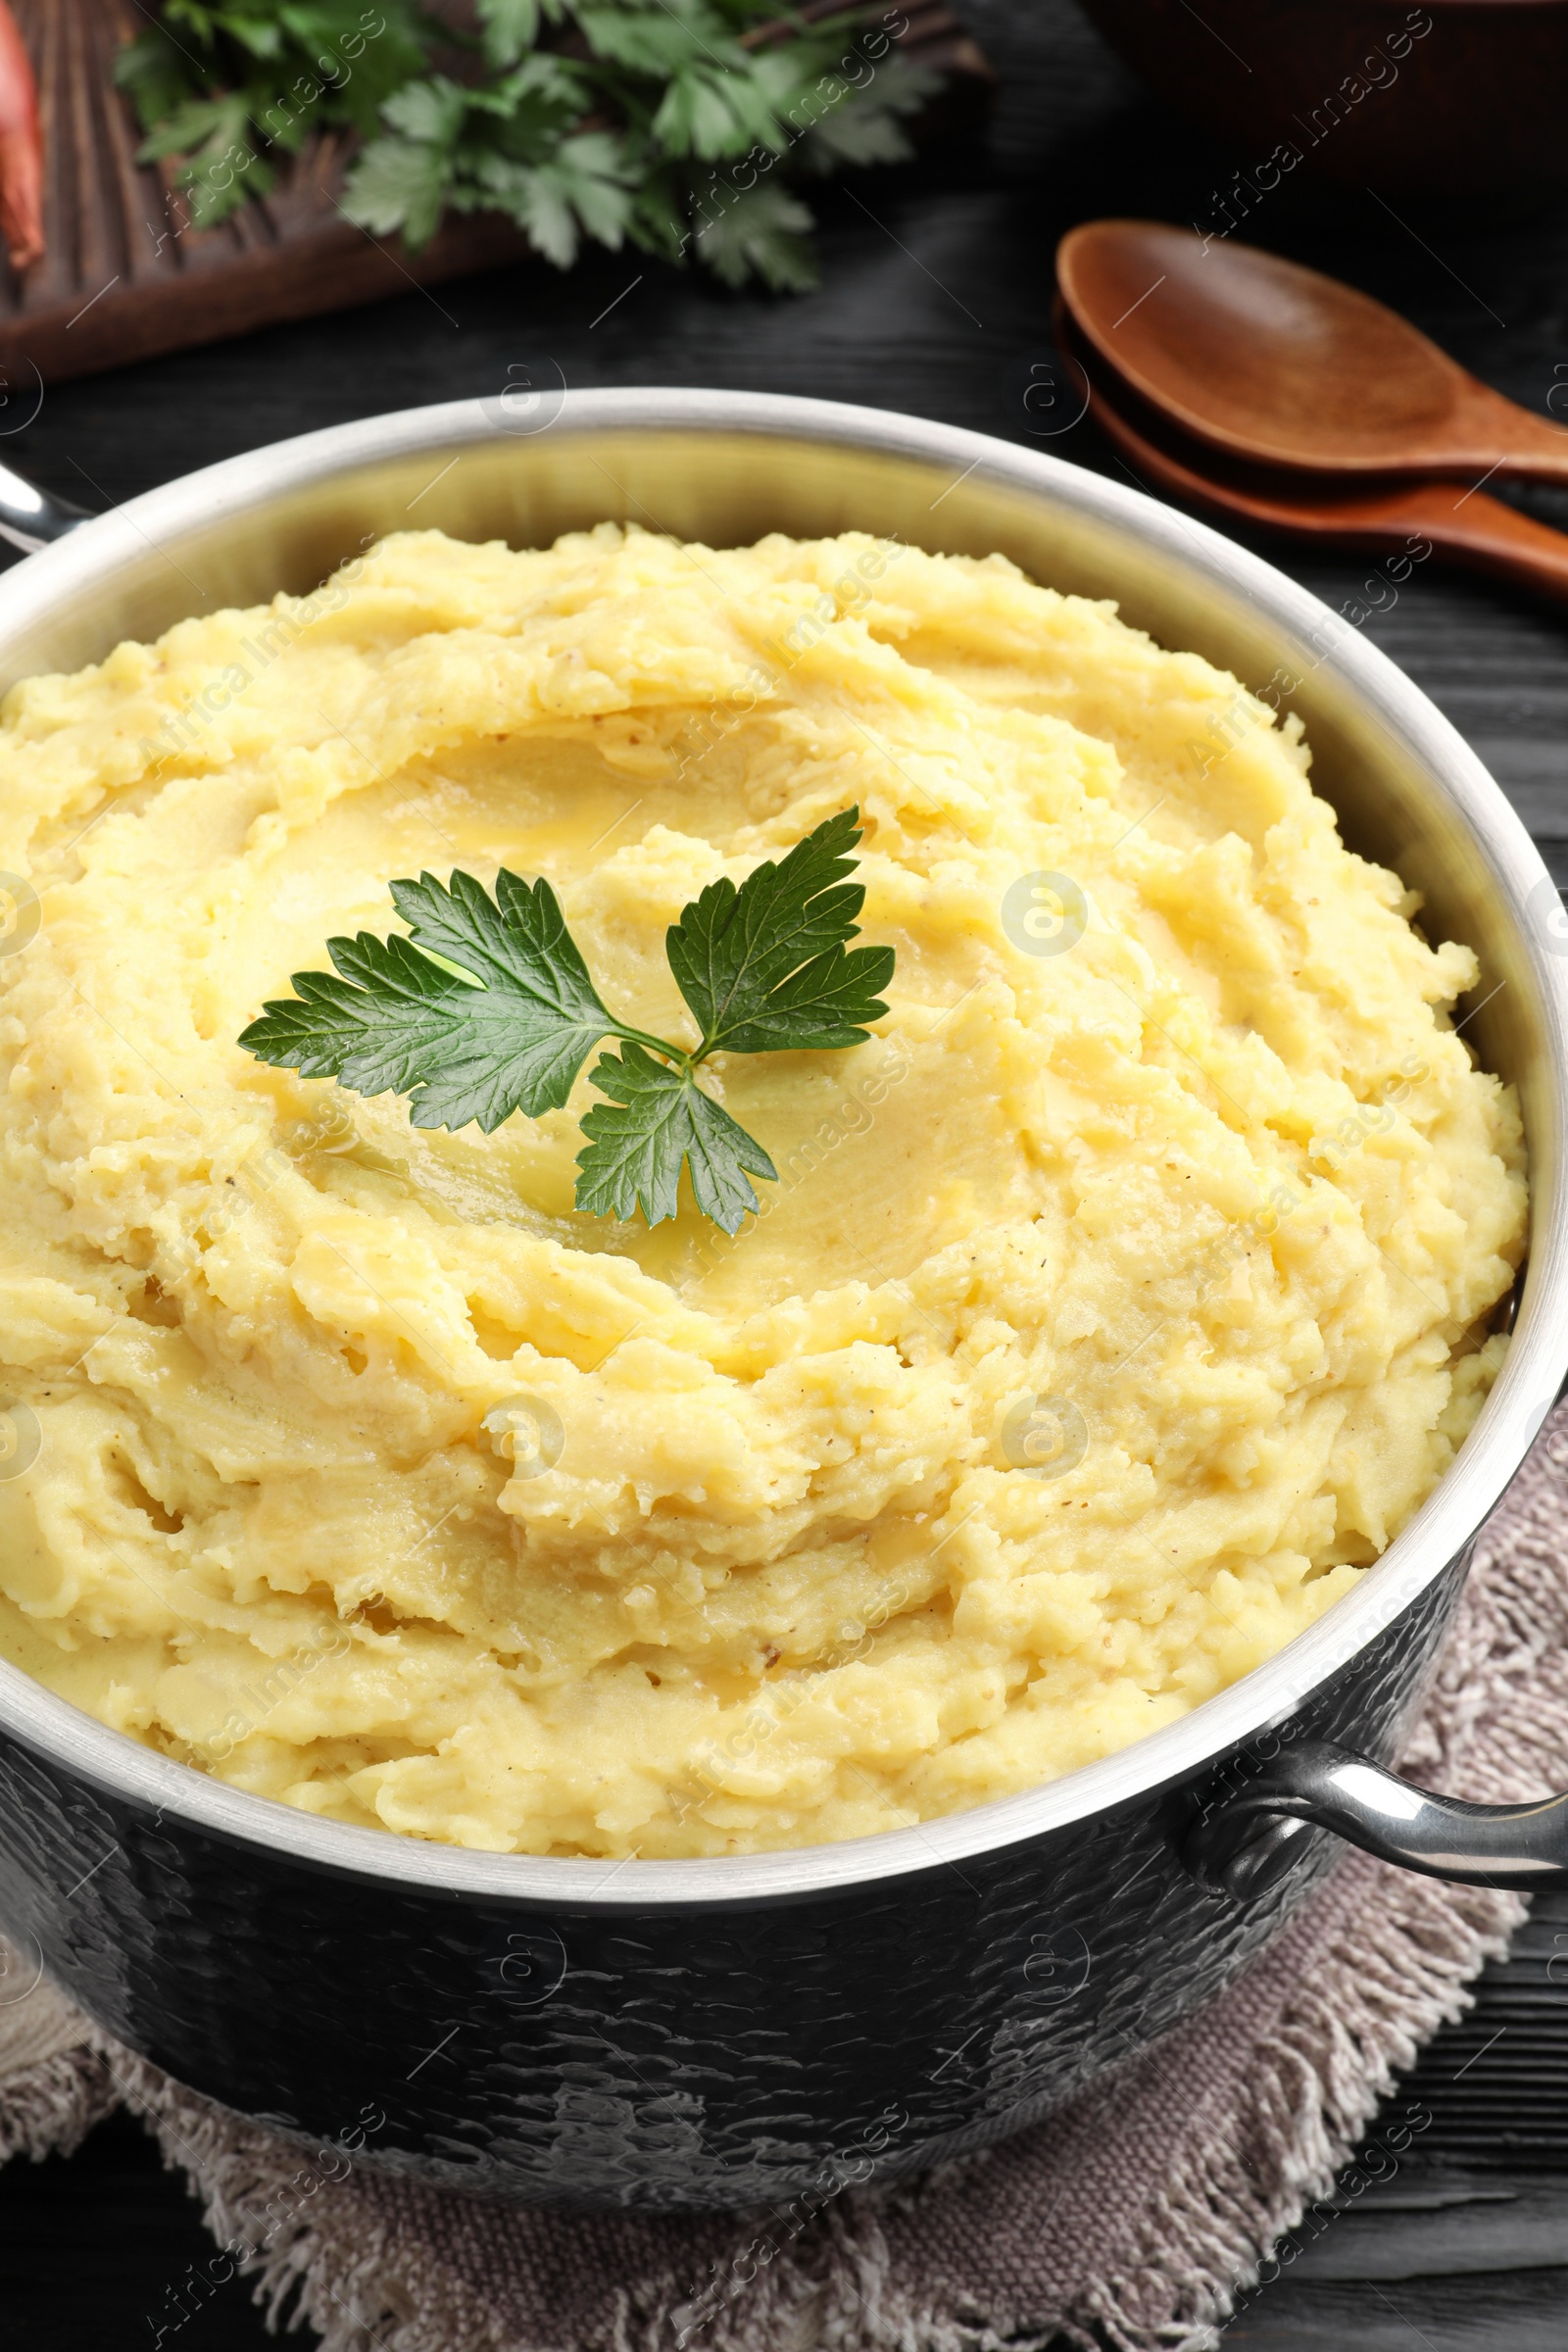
866,126
398,184
858,134
712,111
516,938
383,64
522,120
189,128
543,87
657,1121
595,180
192,16
764,233
581,189
255,34
153,74
429,111
657,221
285,69
509,28
655,43
789,74
513,1038
218,173
764,967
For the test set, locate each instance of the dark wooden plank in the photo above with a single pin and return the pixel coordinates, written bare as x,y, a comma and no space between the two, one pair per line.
1524,2313
1438,2222
1462,2239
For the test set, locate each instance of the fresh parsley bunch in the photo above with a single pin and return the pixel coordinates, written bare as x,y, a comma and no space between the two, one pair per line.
488,1007
228,84
676,126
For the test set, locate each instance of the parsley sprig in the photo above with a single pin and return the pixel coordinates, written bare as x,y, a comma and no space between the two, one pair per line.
671,125
487,1008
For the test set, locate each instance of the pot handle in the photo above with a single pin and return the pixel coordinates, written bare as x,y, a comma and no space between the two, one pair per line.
31,517
1246,1838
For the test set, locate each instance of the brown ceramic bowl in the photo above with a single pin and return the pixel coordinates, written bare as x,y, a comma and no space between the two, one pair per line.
1448,99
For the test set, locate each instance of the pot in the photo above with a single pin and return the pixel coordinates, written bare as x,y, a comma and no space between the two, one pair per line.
758,2027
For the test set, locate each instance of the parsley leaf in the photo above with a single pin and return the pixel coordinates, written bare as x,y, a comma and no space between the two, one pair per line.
225,85
487,1008
583,187
657,1117
872,129
401,184
766,232
512,26
512,1037
764,967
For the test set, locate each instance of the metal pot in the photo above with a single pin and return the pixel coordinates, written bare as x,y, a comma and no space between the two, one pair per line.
723,2032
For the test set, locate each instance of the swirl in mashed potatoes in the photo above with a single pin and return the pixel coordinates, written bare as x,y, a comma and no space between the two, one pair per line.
1117,1304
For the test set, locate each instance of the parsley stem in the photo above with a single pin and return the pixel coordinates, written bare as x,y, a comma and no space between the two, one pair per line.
685,1062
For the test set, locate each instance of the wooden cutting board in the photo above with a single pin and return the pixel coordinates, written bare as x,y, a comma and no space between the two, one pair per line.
125,274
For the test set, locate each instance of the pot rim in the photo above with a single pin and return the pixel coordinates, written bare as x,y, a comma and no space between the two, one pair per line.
1522,1396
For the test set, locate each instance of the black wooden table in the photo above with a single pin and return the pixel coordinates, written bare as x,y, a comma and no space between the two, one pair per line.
937,283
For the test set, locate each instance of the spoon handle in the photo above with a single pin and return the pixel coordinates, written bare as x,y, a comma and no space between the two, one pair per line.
1470,527
1479,530
1528,448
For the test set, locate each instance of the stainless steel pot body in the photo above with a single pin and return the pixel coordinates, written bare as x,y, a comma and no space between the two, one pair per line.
763,2028
598,2052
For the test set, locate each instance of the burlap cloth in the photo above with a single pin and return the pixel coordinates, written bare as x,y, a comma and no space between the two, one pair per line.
1136,2217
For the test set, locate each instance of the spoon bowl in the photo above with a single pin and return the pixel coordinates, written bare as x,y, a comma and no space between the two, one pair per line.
1407,519
1279,366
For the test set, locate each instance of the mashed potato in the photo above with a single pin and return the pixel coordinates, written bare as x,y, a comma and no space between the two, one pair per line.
1115,1305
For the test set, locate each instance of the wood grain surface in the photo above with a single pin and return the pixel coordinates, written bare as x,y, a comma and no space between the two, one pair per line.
937,299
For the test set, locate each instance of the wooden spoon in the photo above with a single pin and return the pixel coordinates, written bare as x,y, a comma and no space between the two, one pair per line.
1470,525
1271,362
